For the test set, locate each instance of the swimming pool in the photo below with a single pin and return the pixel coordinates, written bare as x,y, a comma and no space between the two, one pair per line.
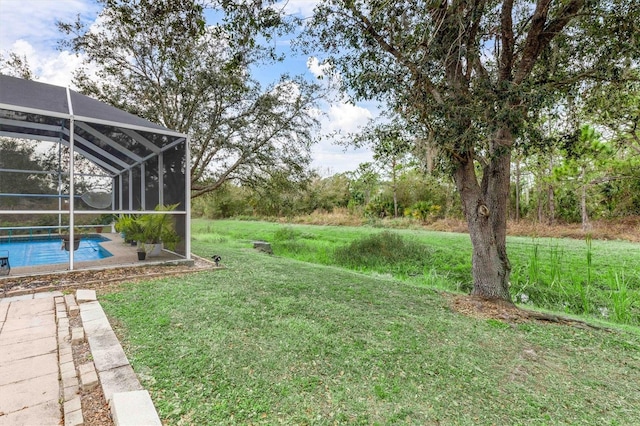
36,252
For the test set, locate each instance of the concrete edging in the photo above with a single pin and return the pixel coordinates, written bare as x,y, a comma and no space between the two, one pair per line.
120,385
133,409
71,404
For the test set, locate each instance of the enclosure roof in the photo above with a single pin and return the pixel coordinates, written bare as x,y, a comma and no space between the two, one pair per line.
113,139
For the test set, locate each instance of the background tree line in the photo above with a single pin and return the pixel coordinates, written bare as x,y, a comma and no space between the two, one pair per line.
583,177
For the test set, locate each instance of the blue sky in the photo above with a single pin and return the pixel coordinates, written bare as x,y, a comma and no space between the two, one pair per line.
27,27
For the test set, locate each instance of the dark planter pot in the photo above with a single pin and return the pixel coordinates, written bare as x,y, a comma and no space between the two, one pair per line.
67,244
5,267
142,255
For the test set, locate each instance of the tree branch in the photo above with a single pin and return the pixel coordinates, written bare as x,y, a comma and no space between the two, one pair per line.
507,40
541,33
367,26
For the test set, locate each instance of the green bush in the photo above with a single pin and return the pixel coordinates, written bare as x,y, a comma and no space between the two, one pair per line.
424,211
285,233
384,252
379,207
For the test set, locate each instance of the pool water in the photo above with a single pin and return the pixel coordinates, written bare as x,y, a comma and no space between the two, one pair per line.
49,252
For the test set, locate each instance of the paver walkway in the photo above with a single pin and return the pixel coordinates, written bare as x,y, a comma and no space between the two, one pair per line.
29,384
40,383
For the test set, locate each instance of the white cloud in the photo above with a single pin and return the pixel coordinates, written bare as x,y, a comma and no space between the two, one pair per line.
316,68
346,118
28,28
342,118
23,48
59,69
329,159
49,67
297,7
331,79
287,91
36,19
341,115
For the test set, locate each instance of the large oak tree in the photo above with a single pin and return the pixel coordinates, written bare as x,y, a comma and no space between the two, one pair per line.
159,59
475,72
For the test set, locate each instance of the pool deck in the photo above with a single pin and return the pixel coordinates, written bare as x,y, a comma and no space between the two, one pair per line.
123,255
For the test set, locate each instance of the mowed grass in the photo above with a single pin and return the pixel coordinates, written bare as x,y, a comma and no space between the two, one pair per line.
596,279
273,340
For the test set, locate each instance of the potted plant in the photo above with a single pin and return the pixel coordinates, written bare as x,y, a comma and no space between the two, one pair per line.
103,220
142,254
66,243
127,225
157,230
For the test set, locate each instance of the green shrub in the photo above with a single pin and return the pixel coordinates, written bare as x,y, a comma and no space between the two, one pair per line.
384,252
285,233
379,207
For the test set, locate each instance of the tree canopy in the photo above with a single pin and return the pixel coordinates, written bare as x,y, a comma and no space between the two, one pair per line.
160,60
23,172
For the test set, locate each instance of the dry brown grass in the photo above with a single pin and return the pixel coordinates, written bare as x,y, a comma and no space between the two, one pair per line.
627,228
622,229
339,217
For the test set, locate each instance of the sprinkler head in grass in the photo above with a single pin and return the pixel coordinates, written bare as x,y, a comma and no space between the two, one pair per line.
216,259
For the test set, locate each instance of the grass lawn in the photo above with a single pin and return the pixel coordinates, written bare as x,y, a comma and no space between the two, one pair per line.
273,340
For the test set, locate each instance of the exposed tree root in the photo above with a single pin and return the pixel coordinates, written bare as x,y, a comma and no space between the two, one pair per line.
479,307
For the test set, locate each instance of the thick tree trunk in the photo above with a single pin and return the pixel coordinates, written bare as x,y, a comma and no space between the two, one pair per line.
485,208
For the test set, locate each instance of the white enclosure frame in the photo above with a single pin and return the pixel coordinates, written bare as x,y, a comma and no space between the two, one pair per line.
117,142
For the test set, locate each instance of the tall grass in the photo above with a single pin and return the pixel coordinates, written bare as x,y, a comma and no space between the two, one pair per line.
555,263
534,265
623,299
386,251
588,277
589,242
583,291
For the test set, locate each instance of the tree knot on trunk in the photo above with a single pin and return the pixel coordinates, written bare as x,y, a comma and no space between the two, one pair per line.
483,210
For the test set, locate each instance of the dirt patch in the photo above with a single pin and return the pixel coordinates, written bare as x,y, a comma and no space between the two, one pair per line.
479,307
96,278
95,410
